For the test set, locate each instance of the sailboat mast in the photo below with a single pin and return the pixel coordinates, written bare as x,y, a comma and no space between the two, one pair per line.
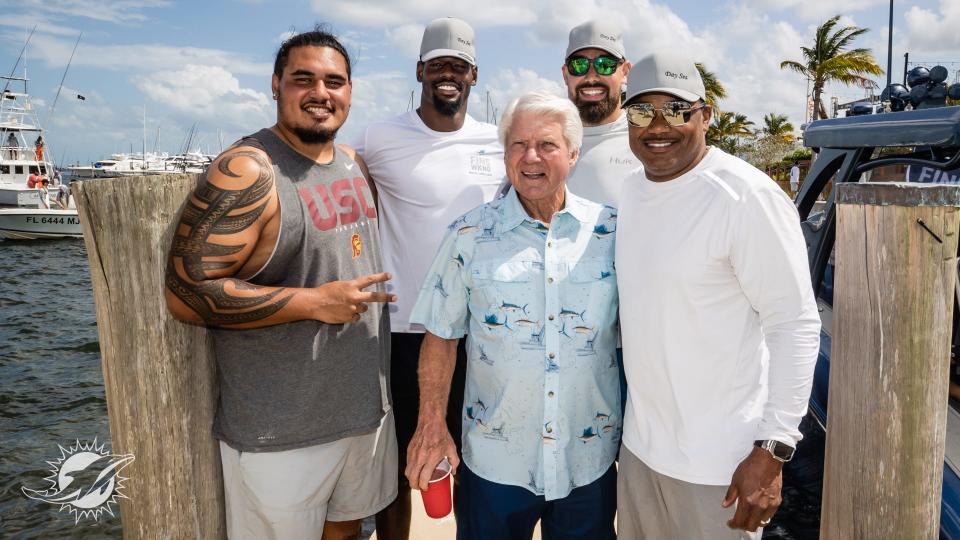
143,150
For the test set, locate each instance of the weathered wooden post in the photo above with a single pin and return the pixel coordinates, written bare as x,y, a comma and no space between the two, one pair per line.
896,267
158,373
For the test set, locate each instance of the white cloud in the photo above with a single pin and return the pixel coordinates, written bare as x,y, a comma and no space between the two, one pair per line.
377,13
283,36
113,11
935,33
508,84
377,96
751,74
21,21
139,57
814,10
208,93
406,39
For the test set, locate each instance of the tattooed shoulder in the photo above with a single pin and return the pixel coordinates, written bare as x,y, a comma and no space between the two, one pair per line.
218,229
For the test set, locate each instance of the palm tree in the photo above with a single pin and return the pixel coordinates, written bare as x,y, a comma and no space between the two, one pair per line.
714,90
777,125
726,130
829,60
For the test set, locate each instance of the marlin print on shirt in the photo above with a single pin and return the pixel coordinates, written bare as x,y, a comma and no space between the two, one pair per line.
505,306
588,435
602,230
570,313
493,322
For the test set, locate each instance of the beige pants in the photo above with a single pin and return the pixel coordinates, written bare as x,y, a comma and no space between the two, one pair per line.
290,494
651,506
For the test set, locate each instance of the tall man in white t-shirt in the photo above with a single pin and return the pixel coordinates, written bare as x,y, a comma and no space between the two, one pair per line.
720,326
595,70
429,166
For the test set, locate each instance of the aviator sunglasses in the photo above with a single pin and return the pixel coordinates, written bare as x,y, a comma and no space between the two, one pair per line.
578,66
675,113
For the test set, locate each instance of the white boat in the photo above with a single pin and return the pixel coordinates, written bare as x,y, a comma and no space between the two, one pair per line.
136,165
39,223
123,165
26,211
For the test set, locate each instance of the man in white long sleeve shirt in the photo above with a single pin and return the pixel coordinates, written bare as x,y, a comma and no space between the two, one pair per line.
720,325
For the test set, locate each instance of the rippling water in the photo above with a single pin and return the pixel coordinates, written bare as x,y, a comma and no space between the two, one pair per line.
51,386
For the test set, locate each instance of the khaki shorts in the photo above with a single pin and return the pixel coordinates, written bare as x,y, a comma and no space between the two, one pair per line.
290,494
653,506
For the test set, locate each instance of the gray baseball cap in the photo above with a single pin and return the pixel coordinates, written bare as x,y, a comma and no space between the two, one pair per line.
597,35
667,73
448,37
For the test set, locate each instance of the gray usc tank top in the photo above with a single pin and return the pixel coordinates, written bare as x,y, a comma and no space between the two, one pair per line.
305,383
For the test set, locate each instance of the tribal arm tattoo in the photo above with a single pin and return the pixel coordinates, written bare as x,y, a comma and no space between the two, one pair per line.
233,215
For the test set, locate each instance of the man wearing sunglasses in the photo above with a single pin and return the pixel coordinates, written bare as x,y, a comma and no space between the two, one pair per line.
429,166
594,71
720,326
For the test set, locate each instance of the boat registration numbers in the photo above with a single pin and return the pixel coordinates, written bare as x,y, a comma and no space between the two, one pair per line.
60,220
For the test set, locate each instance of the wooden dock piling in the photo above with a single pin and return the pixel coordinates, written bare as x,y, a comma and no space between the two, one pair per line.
158,373
896,267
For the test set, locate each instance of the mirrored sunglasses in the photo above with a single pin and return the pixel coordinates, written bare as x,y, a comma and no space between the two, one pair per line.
578,66
675,113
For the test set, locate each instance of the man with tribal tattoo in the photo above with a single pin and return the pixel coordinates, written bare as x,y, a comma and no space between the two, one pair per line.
275,252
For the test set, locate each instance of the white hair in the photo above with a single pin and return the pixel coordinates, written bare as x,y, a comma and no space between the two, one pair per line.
544,104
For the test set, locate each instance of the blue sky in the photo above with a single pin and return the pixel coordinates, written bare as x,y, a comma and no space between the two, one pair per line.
209,63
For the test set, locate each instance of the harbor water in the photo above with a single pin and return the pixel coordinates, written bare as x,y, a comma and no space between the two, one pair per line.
51,386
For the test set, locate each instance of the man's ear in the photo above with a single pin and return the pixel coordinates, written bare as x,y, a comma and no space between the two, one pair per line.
419,71
475,70
275,85
707,114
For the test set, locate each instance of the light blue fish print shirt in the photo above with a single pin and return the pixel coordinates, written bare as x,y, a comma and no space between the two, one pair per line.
539,306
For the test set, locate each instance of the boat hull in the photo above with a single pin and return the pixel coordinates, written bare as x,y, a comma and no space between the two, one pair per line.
19,195
39,223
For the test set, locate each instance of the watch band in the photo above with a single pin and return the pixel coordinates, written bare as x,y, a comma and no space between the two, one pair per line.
781,452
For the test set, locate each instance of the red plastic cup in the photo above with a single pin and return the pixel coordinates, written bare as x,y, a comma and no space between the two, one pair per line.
436,498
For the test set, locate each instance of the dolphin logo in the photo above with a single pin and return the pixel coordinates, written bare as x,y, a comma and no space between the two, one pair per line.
89,499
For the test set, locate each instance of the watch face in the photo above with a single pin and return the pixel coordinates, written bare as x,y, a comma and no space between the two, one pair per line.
782,451
777,449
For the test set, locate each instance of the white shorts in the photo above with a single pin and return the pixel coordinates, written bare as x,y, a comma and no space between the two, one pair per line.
290,494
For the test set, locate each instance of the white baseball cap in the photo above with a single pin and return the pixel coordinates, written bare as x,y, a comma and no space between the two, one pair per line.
668,73
596,35
448,36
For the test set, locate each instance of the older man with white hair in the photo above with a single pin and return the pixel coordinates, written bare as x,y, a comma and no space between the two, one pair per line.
530,280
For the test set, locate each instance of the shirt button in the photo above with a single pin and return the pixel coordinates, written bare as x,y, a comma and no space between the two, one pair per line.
550,393
549,430
549,244
549,280
550,317
551,355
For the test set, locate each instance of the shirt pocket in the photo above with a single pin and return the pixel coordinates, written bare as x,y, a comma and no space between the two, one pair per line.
506,287
591,290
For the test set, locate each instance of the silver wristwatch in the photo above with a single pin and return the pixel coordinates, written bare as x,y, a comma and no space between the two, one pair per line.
780,451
